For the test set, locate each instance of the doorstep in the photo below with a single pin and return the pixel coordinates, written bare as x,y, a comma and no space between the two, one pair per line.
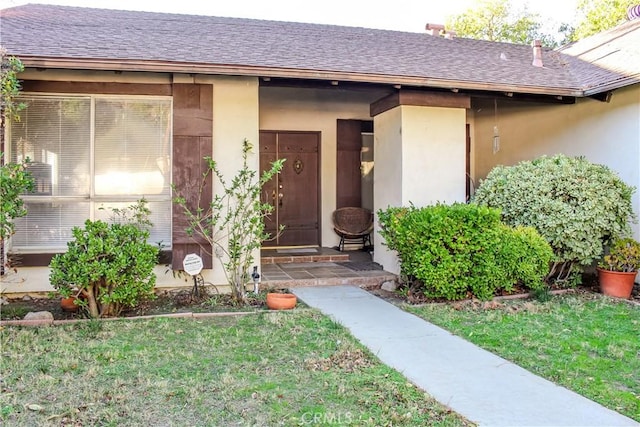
292,275
301,255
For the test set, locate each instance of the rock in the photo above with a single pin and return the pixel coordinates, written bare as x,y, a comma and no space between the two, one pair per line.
389,286
39,315
26,298
3,301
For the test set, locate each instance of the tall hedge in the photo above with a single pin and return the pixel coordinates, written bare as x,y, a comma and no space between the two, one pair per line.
459,251
576,205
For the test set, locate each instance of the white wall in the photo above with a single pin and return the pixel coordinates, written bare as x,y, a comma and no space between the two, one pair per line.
387,179
420,160
605,133
235,118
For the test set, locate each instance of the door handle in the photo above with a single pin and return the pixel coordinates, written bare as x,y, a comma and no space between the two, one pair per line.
280,197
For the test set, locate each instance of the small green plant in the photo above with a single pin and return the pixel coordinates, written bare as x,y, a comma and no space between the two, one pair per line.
14,178
623,256
457,251
111,264
576,205
233,223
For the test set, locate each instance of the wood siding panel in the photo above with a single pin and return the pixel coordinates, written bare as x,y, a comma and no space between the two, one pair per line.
420,99
348,172
108,88
192,141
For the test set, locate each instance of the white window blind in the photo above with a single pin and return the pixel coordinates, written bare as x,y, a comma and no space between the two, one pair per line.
88,153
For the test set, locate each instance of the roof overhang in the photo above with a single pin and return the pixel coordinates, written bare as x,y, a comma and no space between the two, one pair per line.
276,72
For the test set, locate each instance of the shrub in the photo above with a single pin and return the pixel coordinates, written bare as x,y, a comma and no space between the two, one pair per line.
461,250
111,264
577,206
14,181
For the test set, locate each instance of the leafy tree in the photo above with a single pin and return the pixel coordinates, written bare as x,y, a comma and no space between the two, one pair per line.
233,223
600,15
496,20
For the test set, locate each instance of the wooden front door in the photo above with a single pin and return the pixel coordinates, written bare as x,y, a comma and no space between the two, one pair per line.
294,192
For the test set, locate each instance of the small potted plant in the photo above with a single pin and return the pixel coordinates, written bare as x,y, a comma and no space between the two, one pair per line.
617,270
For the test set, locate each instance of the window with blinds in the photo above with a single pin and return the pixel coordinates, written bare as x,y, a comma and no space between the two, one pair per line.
89,154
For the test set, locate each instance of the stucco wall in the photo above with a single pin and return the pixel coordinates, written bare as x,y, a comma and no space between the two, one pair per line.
605,133
387,179
316,110
420,160
235,117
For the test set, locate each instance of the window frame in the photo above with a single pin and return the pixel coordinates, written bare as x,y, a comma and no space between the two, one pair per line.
39,256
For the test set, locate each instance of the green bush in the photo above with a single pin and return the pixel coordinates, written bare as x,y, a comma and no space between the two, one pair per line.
458,251
110,264
15,180
577,206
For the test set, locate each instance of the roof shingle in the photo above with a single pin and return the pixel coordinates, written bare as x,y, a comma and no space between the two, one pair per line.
160,41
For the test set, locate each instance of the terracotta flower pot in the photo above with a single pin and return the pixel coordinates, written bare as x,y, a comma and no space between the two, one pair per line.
68,304
617,284
276,301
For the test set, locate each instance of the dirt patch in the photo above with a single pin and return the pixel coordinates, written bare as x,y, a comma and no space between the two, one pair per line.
166,302
407,295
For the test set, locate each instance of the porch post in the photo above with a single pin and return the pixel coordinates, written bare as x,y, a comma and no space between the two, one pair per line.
419,156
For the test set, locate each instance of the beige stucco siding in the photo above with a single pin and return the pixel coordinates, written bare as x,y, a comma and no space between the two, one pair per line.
605,133
420,160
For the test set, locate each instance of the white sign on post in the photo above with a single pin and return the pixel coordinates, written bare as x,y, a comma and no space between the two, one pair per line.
192,264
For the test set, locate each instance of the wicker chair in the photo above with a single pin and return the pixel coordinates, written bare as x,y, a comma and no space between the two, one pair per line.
353,225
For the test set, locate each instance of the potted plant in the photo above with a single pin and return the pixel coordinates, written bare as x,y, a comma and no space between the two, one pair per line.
617,270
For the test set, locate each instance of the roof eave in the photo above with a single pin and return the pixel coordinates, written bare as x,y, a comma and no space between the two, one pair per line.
256,71
617,84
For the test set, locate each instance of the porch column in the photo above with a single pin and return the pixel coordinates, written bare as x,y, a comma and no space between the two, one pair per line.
419,155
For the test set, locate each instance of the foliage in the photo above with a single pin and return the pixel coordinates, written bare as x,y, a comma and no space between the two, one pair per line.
624,255
14,181
111,264
10,67
576,205
600,15
233,223
14,178
461,250
495,20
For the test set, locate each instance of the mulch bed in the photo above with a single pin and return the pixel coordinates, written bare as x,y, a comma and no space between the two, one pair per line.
183,301
166,303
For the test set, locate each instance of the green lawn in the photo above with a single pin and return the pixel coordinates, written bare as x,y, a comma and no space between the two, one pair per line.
283,368
583,341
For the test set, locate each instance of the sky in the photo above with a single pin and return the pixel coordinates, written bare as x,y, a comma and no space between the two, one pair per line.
401,15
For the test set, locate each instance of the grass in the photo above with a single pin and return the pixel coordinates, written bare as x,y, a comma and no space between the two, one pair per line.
284,368
585,342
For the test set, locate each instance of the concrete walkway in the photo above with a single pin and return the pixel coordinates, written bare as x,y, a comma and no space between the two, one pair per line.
475,383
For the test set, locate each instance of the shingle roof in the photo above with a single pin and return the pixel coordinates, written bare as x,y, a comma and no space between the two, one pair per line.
615,52
64,37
